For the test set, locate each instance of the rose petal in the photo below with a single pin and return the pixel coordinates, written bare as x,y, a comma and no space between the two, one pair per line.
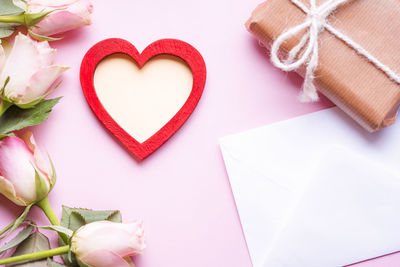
120,238
20,3
52,3
67,15
2,59
41,163
7,189
40,82
78,7
104,258
59,22
20,65
16,166
82,8
46,53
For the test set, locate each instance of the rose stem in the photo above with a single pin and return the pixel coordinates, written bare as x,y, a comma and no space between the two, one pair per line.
45,206
36,255
20,19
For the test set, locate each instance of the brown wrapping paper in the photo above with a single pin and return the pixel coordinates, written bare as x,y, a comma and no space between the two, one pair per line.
349,80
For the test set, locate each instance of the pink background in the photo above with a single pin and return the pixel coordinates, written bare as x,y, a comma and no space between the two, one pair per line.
182,191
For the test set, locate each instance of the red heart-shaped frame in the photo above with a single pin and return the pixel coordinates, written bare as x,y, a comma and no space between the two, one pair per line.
173,47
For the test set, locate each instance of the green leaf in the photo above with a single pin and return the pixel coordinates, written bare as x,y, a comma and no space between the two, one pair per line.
4,136
53,170
115,217
70,259
42,37
106,215
51,263
81,264
85,216
72,221
14,225
76,221
129,260
7,7
34,243
58,229
34,18
18,239
5,229
16,118
3,87
41,187
7,29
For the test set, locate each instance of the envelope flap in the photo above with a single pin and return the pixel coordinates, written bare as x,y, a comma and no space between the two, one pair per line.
349,213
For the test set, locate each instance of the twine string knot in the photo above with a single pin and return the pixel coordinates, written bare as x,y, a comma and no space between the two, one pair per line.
315,23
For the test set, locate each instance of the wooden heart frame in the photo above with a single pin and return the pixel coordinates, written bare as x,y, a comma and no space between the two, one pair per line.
173,47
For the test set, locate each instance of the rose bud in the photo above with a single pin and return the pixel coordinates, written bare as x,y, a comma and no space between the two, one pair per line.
66,15
26,176
105,243
28,72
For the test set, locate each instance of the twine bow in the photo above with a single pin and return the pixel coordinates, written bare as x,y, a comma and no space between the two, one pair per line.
315,23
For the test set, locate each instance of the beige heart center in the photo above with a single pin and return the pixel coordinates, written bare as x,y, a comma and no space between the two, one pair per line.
142,100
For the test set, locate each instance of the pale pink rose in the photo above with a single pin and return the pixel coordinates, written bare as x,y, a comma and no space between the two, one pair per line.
104,244
68,15
2,58
29,66
20,161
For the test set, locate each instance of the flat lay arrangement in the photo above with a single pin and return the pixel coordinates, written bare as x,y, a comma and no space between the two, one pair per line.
147,134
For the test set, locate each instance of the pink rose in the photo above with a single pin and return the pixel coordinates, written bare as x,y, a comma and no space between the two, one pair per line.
104,244
30,70
68,15
26,176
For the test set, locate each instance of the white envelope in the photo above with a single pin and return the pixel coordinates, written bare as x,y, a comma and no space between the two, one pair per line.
348,213
268,167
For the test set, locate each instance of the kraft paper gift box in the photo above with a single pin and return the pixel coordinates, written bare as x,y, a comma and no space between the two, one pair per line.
348,79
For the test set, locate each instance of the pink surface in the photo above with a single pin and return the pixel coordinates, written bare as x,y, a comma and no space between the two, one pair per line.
182,191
